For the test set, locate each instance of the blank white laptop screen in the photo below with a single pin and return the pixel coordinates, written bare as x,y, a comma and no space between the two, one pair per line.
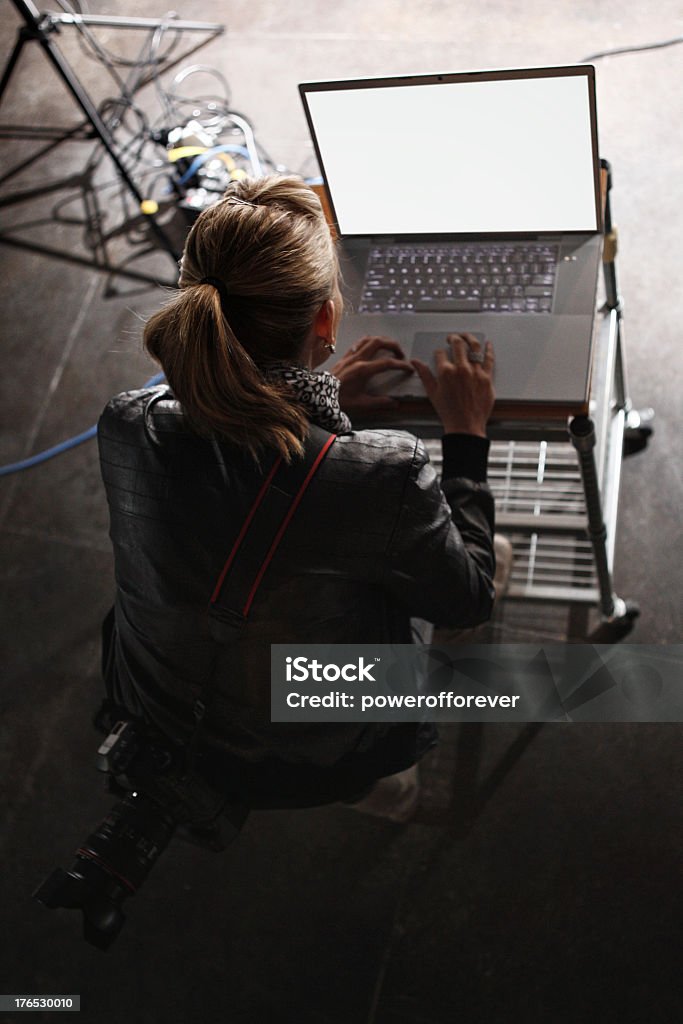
459,157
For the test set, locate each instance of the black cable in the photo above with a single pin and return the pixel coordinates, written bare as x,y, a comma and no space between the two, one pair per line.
124,99
632,49
106,56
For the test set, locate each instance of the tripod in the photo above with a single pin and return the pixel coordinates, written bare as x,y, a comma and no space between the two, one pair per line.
41,27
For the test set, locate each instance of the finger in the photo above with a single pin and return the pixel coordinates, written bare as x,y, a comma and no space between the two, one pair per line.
489,357
348,357
425,374
472,342
362,343
356,351
366,368
441,360
371,345
357,347
374,366
460,348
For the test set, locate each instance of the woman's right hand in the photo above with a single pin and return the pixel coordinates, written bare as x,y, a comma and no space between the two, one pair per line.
361,363
462,391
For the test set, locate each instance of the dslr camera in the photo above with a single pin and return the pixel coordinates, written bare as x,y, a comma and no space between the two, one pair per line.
162,794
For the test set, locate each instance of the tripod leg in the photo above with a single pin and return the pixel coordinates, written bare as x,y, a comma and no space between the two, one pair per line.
13,58
102,132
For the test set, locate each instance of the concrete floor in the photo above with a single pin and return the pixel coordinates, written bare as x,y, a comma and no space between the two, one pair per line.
550,895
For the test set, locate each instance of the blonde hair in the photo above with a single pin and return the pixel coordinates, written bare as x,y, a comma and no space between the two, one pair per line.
268,244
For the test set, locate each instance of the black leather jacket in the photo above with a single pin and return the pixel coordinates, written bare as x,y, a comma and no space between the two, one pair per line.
375,541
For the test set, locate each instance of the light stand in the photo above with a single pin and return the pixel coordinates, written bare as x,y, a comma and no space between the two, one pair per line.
41,28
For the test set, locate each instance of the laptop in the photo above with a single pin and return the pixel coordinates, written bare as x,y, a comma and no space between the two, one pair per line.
468,202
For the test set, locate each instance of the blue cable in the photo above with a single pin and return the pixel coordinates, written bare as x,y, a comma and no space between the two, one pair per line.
64,446
87,435
203,157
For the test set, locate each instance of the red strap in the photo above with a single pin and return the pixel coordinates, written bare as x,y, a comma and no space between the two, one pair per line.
245,526
89,855
285,523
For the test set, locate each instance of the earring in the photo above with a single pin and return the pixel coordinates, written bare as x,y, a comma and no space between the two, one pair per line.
331,346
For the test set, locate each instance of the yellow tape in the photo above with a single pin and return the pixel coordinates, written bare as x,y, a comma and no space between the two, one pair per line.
180,151
609,249
184,151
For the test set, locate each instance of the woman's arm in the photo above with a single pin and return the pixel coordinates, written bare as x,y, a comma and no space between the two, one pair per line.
439,561
442,560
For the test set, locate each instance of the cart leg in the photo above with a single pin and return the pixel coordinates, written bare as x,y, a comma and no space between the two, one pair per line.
638,429
617,615
639,422
613,629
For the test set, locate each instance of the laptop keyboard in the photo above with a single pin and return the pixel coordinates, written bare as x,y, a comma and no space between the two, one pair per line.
517,277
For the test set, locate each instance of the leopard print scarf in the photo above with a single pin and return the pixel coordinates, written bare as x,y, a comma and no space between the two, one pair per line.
317,391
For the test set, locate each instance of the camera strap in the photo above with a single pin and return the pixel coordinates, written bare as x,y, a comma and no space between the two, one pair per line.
258,539
260,535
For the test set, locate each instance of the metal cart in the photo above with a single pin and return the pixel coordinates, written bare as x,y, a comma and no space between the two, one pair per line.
556,478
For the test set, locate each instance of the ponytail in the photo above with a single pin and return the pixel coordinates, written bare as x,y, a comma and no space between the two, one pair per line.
221,389
256,269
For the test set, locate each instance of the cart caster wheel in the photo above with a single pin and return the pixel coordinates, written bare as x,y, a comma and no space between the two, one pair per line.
611,631
638,430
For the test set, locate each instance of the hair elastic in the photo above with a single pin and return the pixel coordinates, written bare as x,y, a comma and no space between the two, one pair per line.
220,288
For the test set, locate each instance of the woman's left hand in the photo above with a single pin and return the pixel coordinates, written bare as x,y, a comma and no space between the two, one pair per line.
360,364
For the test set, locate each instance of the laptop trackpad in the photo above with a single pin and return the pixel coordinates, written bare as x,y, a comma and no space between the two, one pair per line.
399,385
426,343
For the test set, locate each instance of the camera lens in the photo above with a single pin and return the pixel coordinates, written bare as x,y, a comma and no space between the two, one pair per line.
111,865
129,840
